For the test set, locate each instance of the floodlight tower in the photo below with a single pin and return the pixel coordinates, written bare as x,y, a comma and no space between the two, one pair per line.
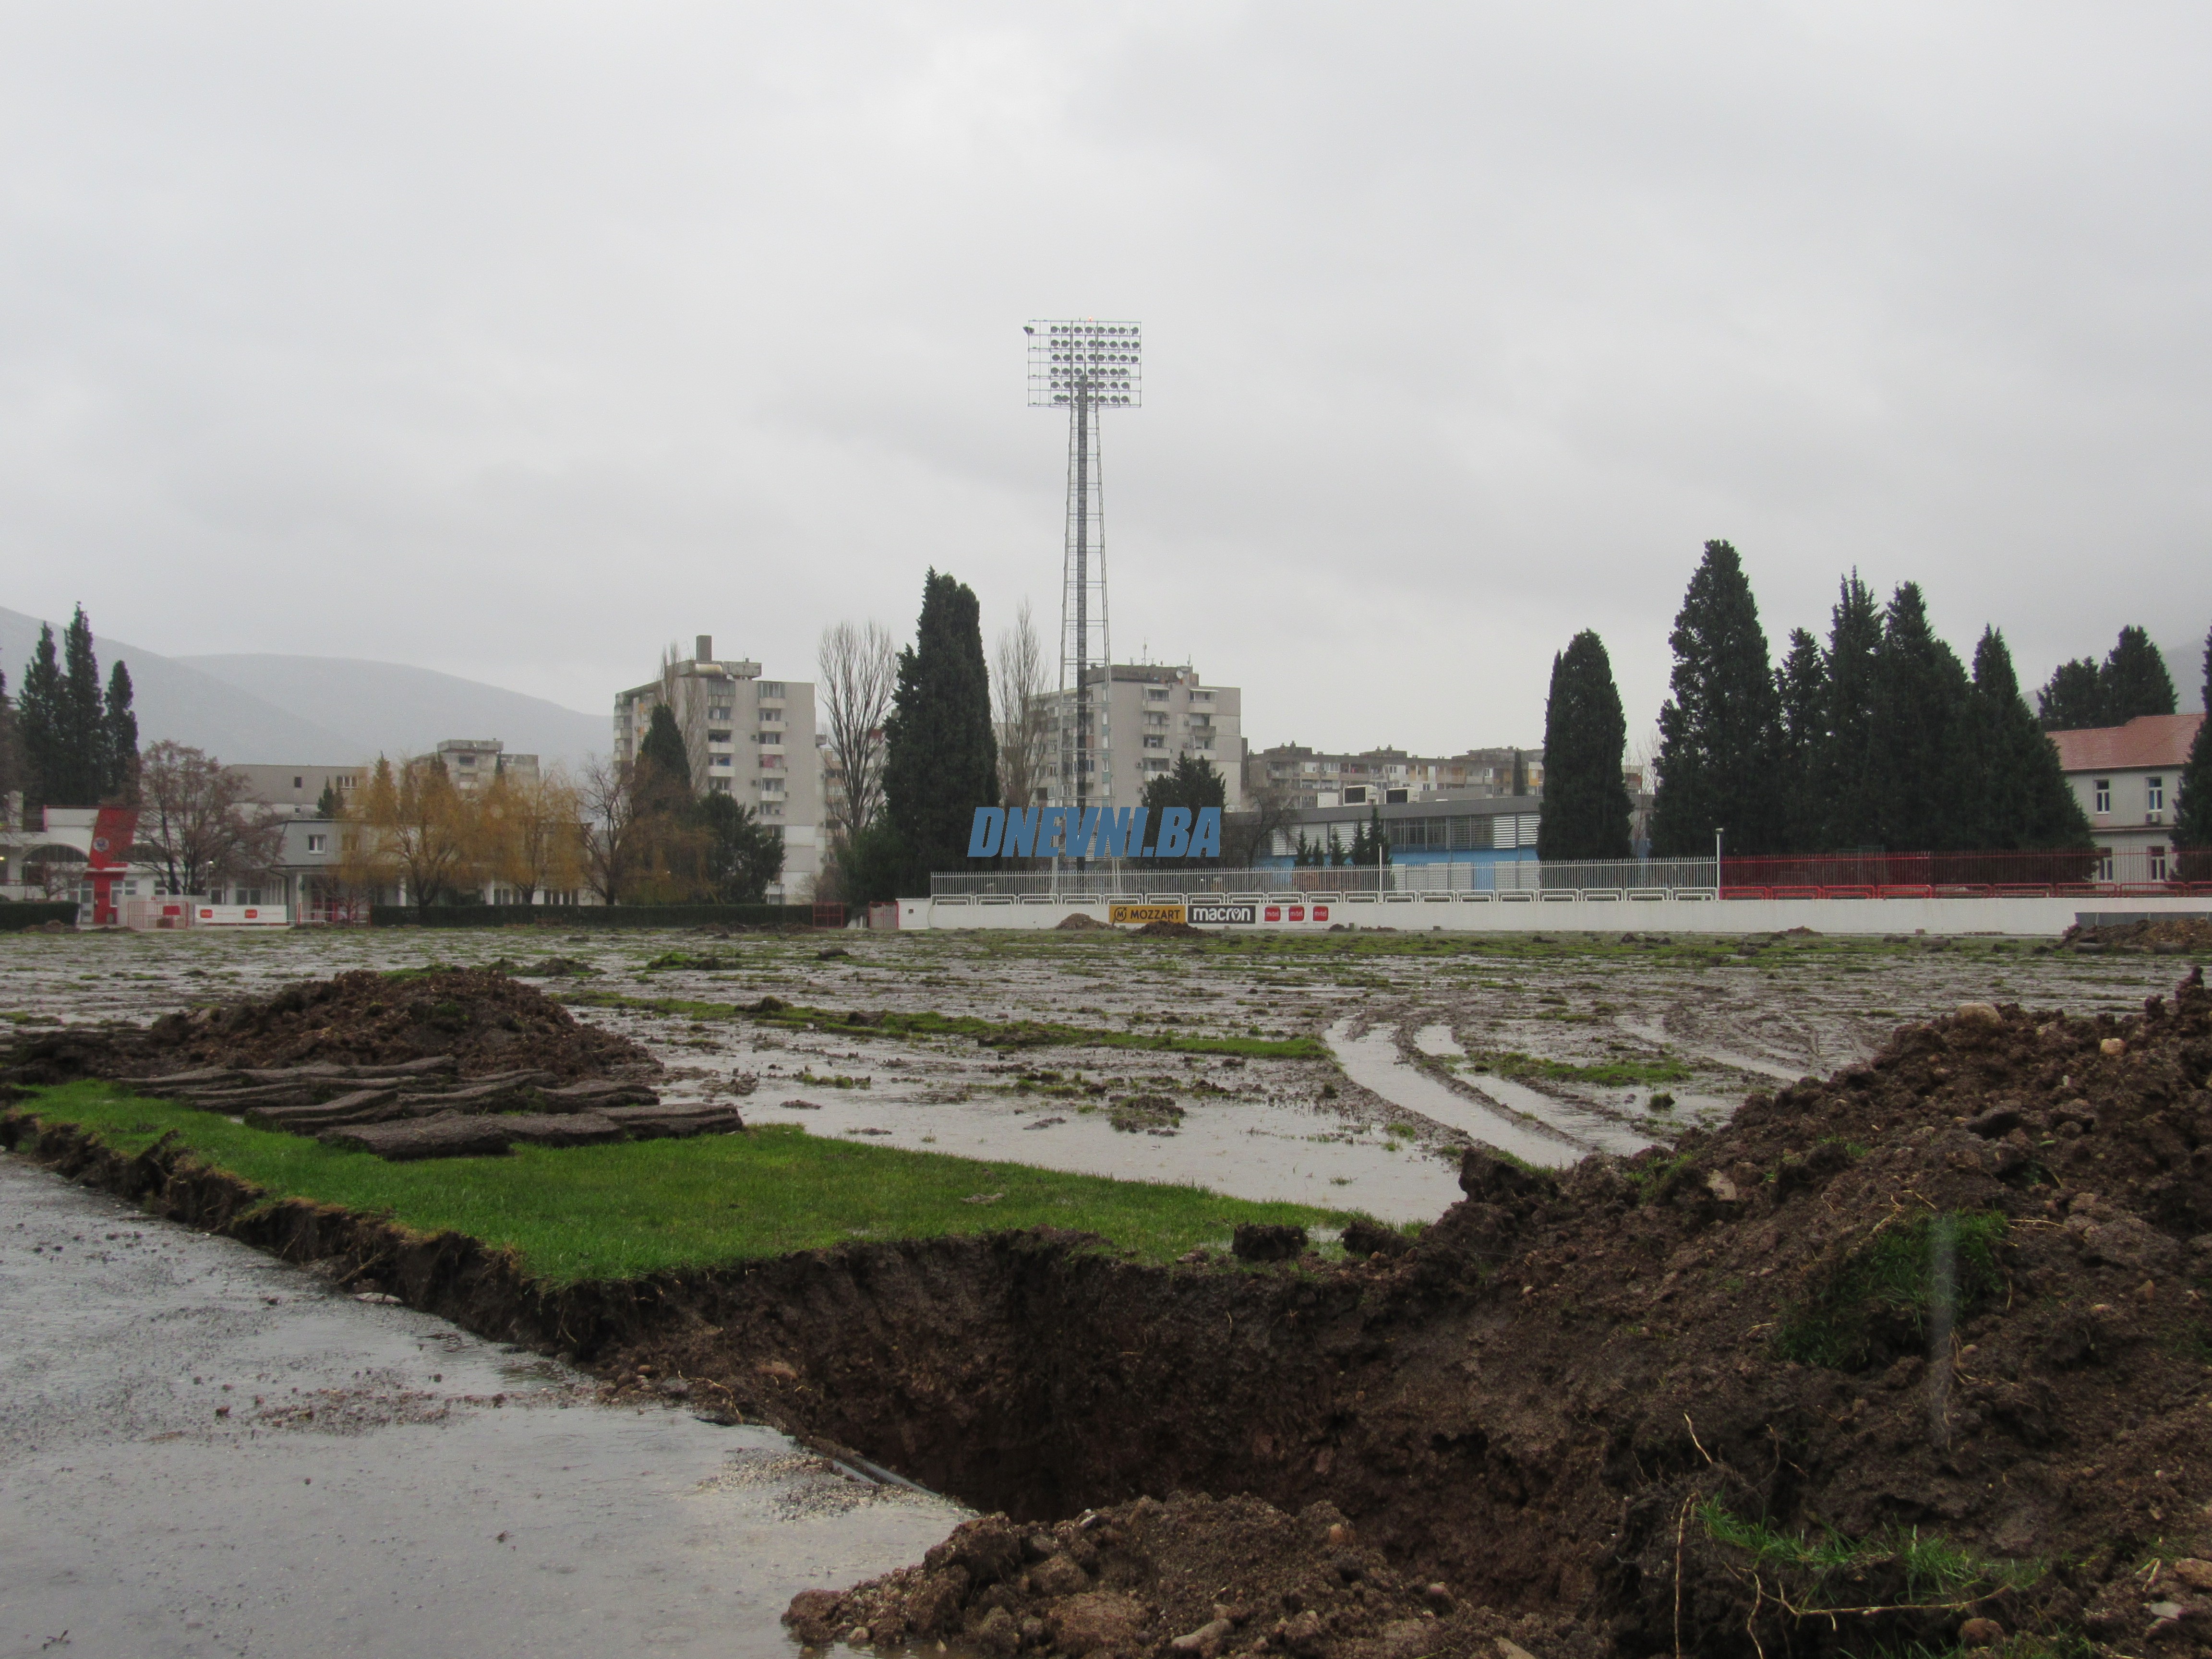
1085,366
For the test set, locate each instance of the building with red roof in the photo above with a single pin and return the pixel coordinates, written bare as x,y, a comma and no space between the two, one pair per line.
2128,780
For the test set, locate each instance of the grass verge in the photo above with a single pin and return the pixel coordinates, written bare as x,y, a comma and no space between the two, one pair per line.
662,1206
1827,1573
1002,1034
1606,1073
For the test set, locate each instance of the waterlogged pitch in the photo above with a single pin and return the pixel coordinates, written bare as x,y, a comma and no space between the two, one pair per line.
1343,1071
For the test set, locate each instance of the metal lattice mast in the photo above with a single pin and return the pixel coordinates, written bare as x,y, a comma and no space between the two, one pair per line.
1085,366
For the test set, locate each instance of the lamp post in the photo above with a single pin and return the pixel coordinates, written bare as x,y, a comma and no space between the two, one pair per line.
1718,834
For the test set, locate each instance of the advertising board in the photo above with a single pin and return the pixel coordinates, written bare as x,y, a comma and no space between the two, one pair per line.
1206,913
1141,913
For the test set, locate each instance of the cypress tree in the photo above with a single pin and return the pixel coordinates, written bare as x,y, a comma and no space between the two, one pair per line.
1801,686
83,748
2134,680
2021,799
1847,815
664,769
1586,805
2193,817
1717,732
11,753
1924,787
2073,698
118,738
39,718
941,757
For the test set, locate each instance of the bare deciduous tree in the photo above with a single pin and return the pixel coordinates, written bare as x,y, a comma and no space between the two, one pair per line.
1248,837
860,671
614,837
1019,687
195,821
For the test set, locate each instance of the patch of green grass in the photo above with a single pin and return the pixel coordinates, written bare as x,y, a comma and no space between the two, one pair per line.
585,1212
1606,1073
1002,1034
1882,1294
1825,1570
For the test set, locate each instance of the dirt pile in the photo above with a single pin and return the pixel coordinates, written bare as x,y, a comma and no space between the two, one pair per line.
485,1021
2174,935
1169,930
1190,1575
1078,922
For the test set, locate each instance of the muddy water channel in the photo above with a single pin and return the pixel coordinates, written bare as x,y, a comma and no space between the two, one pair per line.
1549,1047
205,1451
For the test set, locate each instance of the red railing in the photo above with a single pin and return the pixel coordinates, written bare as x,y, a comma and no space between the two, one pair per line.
2120,873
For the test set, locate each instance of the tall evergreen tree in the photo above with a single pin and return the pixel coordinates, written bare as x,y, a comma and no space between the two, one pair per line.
2020,798
1848,815
2073,698
663,781
2134,680
1717,733
1801,686
1924,787
84,748
1193,784
38,720
118,738
2193,818
1586,805
11,752
941,758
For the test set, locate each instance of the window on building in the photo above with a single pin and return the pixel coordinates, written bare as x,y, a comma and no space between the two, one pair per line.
2104,864
718,760
2154,793
1156,694
720,784
2158,864
718,737
1394,797
770,715
318,843
1202,697
2104,799
1355,794
1156,743
768,689
771,737
298,783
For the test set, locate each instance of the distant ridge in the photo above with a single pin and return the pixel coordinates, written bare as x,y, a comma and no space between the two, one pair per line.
388,708
268,709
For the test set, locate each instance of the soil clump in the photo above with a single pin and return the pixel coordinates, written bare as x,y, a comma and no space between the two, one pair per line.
1076,923
2174,935
1169,930
485,1021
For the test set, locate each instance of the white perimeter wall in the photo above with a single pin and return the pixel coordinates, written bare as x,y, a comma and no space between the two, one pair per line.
2033,918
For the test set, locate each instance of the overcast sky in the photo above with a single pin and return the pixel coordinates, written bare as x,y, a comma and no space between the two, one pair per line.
516,341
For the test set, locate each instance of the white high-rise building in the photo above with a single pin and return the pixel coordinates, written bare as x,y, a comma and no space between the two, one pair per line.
746,736
1156,714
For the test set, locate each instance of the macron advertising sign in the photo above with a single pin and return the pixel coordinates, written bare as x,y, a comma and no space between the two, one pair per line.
1093,832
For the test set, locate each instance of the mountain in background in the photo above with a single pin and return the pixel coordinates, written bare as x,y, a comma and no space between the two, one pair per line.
315,710
389,709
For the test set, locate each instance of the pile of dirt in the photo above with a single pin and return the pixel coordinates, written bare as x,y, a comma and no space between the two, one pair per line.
487,1021
1169,930
1076,923
2174,935
1190,1575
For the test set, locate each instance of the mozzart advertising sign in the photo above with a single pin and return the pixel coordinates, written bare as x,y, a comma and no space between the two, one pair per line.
1093,832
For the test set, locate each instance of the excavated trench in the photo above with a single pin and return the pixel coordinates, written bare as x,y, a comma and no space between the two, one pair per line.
1555,1401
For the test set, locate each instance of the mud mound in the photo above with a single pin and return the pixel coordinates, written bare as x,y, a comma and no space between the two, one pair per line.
487,1021
2181,935
1189,1575
1076,923
1169,930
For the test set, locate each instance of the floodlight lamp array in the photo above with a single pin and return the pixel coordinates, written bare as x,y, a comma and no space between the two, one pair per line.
1070,355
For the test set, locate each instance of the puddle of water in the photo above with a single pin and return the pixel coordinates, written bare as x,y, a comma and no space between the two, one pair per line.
1438,1040
1372,1062
409,1514
1592,1128
1241,1149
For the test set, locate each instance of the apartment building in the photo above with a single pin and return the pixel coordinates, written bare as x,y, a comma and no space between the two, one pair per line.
747,737
1153,715
299,788
1388,776
472,763
2128,780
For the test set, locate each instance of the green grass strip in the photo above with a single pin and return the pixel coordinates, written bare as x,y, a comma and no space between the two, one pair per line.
586,1213
990,1033
1608,1073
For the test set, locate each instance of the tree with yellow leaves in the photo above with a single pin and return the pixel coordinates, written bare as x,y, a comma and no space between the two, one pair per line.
412,829
531,835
